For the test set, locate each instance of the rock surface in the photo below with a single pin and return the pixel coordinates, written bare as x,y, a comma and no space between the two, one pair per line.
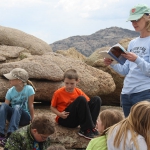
14,37
72,53
47,71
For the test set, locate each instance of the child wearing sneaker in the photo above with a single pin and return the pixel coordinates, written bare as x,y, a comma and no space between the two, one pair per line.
73,107
106,119
21,98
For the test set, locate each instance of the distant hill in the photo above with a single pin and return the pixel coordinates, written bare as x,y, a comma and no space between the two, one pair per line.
87,44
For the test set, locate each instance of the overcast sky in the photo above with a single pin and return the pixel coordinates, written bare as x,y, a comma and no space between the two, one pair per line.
53,20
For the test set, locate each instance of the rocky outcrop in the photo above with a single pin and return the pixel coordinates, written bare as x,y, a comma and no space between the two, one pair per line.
72,53
13,53
14,37
47,71
95,56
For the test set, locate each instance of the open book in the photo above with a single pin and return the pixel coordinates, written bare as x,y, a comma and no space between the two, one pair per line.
114,53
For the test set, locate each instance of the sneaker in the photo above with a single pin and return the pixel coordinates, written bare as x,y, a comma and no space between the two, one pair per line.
3,142
88,134
95,132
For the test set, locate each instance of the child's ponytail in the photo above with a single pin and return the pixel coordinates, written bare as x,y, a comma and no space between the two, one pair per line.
30,83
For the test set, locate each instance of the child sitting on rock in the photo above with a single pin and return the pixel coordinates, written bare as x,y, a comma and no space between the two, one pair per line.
106,119
73,107
21,98
32,137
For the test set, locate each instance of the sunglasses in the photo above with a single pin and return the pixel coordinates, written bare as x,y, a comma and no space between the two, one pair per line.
136,20
147,14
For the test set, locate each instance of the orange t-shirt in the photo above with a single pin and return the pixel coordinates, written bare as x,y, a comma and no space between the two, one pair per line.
62,99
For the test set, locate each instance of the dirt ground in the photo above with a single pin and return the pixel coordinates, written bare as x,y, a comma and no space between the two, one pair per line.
43,108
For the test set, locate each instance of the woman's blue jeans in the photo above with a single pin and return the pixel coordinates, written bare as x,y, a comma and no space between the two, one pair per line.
128,100
16,116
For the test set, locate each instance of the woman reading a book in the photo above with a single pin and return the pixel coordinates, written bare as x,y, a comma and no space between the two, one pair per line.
136,69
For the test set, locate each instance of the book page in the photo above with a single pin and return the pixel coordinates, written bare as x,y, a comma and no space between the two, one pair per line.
106,55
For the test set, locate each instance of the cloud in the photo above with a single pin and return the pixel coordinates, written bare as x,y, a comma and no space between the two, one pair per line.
53,20
84,8
19,3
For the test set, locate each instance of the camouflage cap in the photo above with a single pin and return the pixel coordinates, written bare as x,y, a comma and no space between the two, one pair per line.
17,73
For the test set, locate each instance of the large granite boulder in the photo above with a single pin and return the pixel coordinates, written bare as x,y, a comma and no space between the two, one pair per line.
72,53
95,56
47,71
13,53
14,37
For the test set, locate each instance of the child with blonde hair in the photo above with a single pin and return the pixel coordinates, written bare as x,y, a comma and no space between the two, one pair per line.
133,132
21,98
106,119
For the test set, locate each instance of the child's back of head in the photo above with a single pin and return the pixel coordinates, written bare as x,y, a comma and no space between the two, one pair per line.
43,125
137,123
108,118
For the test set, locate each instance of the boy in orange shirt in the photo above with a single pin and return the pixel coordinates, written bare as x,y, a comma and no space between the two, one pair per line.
73,107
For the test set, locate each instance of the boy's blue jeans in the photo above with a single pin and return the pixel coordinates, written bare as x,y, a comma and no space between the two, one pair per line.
16,116
128,100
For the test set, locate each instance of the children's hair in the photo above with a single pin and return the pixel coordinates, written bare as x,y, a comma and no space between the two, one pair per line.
71,74
109,117
30,83
43,125
56,147
138,122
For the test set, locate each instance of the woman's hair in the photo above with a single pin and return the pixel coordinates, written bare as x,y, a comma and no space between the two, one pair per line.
71,74
147,18
138,123
109,117
56,147
43,125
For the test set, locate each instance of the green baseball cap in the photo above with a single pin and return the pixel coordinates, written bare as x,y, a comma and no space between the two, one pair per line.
138,11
